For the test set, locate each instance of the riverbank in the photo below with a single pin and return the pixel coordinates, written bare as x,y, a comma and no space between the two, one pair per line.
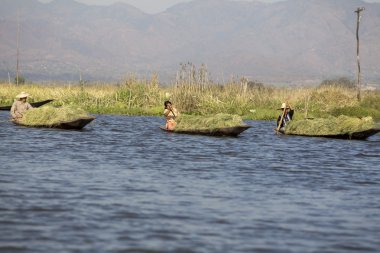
146,97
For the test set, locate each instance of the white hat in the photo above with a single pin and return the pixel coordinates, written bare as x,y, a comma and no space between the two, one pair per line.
22,95
168,95
283,106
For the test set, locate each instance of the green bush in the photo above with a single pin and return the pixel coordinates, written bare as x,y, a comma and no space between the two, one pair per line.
21,80
340,82
356,111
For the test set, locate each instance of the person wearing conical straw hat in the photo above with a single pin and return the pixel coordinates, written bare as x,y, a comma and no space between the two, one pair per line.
170,114
20,106
285,116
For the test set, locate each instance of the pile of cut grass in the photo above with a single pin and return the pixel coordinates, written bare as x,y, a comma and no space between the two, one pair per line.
186,122
329,126
48,115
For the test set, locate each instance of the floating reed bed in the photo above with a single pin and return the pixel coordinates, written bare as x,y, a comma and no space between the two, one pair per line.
329,126
221,120
48,115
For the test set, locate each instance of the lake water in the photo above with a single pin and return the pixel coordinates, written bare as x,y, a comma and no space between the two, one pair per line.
123,185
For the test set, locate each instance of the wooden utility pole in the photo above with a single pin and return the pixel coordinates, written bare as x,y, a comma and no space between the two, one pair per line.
358,10
18,48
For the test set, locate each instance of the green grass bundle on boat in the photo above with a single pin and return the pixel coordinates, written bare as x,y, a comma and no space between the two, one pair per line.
329,126
186,122
48,115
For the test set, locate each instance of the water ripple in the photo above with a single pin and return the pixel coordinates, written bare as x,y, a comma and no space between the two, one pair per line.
122,185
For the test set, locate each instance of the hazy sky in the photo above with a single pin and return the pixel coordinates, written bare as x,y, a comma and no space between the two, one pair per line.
154,6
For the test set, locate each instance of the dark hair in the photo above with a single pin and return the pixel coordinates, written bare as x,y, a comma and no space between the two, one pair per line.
166,103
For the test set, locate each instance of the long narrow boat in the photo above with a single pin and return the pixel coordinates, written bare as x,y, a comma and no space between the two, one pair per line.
35,104
76,124
225,131
361,135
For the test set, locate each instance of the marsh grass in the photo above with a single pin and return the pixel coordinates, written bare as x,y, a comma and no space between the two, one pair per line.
48,115
146,97
372,101
191,122
329,126
263,114
356,111
263,102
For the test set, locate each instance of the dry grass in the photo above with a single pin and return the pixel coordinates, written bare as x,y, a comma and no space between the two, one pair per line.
48,116
186,122
234,98
329,126
146,97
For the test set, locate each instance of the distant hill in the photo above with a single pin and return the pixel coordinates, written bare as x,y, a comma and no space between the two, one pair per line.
286,41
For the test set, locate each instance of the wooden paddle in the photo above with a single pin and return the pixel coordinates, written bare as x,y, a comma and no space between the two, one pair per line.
171,109
281,119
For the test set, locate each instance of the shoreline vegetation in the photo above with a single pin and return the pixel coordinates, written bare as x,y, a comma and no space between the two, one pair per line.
253,101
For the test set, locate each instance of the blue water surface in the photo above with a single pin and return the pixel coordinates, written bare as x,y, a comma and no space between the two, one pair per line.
123,185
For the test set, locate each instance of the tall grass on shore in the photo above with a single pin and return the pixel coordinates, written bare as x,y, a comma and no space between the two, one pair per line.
146,97
263,102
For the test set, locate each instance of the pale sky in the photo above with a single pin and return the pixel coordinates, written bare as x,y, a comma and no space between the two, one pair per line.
155,6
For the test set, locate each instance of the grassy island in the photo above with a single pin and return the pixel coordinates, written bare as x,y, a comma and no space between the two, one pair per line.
146,97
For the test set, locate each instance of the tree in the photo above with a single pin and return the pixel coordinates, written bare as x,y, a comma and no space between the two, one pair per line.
339,82
19,79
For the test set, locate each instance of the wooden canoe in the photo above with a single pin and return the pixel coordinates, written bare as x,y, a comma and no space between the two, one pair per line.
36,104
225,131
362,135
76,124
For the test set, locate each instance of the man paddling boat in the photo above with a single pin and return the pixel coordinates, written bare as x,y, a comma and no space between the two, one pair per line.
285,116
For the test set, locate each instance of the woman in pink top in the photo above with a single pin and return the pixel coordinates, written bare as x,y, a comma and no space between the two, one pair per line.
171,114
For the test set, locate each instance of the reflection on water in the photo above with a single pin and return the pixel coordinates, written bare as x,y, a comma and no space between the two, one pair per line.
122,185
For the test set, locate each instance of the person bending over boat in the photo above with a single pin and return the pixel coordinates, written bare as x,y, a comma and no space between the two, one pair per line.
285,116
20,106
170,114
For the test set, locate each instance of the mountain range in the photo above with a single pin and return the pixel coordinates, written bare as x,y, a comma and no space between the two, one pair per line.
289,41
